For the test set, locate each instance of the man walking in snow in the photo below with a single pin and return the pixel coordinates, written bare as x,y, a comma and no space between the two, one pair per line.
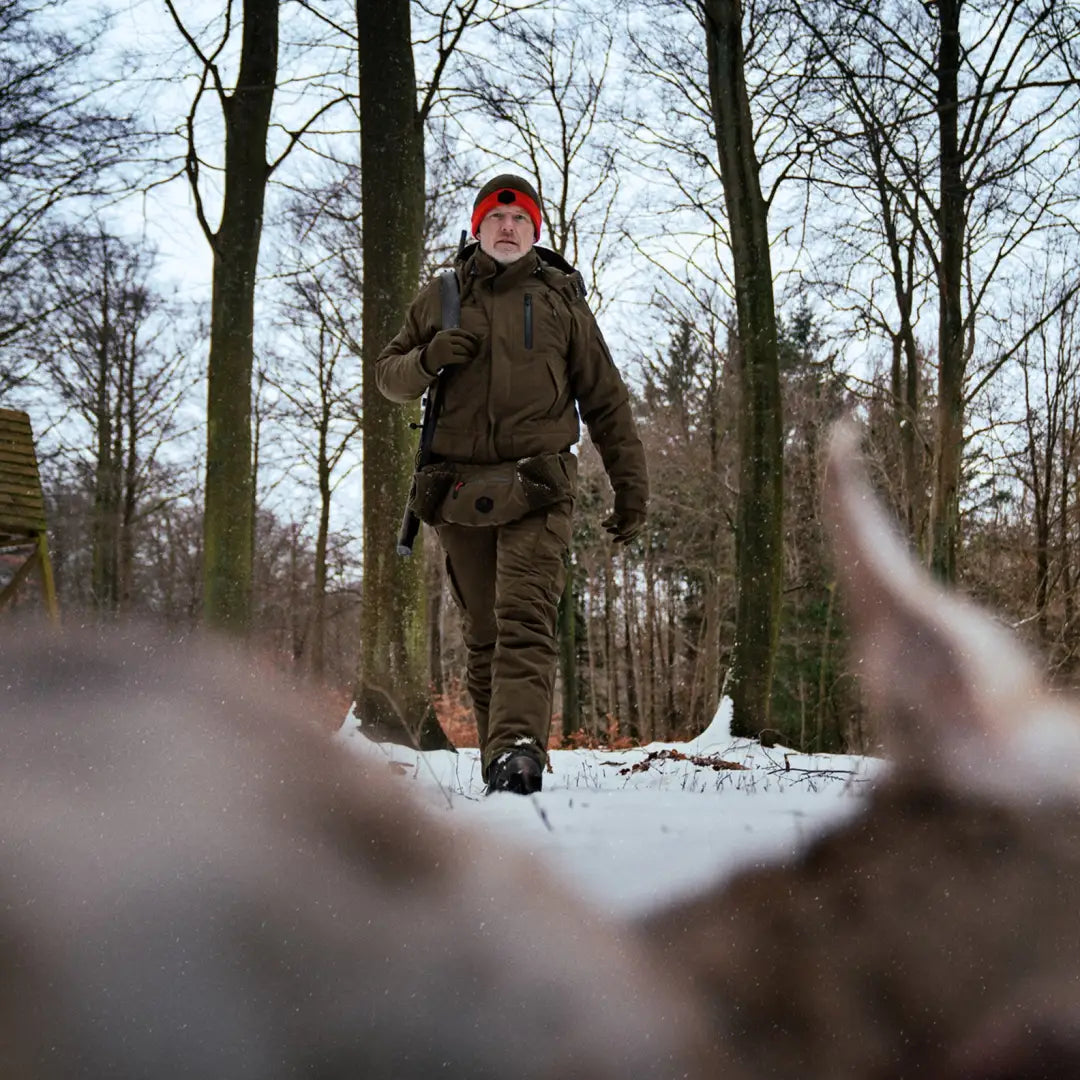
511,379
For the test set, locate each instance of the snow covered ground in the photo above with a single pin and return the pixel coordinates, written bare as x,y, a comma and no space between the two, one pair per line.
635,828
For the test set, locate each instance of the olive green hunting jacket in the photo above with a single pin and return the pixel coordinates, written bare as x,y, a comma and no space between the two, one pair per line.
542,360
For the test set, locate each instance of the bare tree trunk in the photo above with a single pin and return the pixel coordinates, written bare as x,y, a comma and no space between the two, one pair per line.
632,724
317,647
907,416
672,708
590,642
391,692
253,492
1047,440
696,661
948,449
759,522
823,668
293,622
714,605
1066,517
904,392
651,648
1040,476
711,663
103,567
905,363
129,470
229,518
611,656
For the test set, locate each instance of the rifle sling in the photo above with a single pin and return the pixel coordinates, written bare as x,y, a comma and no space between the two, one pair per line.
451,299
450,295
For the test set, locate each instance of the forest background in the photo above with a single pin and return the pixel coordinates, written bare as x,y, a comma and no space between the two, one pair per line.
163,217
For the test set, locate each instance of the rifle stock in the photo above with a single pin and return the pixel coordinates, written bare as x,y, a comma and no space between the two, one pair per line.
410,526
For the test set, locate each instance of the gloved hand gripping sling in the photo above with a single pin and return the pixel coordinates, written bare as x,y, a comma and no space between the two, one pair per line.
450,296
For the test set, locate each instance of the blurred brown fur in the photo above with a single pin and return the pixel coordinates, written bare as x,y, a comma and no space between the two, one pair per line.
198,883
935,936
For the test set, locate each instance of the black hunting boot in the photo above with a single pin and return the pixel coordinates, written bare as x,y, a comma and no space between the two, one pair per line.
517,771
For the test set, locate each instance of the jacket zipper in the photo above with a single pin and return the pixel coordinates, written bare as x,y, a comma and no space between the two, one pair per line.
528,321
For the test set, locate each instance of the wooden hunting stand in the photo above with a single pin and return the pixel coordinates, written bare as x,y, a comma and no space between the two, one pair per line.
22,509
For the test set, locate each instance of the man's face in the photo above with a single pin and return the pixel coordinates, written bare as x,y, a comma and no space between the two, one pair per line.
506,234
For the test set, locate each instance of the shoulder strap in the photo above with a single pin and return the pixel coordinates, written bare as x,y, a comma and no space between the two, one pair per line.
552,260
564,279
450,294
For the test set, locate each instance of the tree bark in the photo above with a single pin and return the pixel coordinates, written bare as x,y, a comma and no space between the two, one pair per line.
759,516
1066,516
904,382
391,689
130,495
229,515
611,656
318,615
652,649
592,726
949,435
103,567
632,723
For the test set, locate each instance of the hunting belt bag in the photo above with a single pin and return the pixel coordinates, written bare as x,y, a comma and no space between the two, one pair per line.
449,493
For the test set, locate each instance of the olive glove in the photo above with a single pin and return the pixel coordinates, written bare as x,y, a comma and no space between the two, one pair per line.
625,523
448,348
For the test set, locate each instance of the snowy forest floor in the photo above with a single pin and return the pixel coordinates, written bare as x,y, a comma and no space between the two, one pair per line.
633,829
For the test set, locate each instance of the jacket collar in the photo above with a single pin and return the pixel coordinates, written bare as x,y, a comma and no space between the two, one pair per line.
485,268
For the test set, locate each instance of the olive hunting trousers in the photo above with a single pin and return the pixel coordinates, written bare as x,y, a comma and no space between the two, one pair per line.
507,581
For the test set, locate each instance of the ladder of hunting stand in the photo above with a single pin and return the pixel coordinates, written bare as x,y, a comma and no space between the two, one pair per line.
22,509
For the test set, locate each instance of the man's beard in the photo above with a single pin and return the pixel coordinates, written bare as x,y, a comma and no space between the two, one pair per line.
506,258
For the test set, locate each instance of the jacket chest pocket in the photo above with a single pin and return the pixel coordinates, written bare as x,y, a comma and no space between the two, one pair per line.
538,357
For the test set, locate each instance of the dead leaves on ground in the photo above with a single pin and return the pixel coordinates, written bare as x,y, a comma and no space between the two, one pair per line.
703,761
